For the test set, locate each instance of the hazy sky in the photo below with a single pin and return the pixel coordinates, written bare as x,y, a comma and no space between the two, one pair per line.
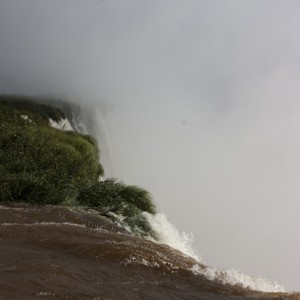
202,102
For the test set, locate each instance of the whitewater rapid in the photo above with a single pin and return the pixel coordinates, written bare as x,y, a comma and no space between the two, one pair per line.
168,234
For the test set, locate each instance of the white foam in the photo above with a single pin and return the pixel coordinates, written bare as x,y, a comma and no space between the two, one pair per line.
62,125
26,118
233,277
141,261
15,208
43,224
168,234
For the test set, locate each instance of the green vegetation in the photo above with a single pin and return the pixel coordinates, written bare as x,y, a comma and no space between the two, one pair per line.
14,104
111,193
43,165
116,198
38,162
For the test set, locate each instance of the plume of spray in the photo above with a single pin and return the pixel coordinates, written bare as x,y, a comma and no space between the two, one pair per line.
96,121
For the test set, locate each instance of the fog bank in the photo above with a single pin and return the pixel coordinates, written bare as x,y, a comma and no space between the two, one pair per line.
198,101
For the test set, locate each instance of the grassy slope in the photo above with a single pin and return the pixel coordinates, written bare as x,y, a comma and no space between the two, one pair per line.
43,165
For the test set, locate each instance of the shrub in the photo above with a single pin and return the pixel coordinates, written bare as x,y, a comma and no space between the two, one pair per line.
111,192
34,189
117,198
38,161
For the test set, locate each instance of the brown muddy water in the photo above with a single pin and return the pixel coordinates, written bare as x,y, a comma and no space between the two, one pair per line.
50,252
